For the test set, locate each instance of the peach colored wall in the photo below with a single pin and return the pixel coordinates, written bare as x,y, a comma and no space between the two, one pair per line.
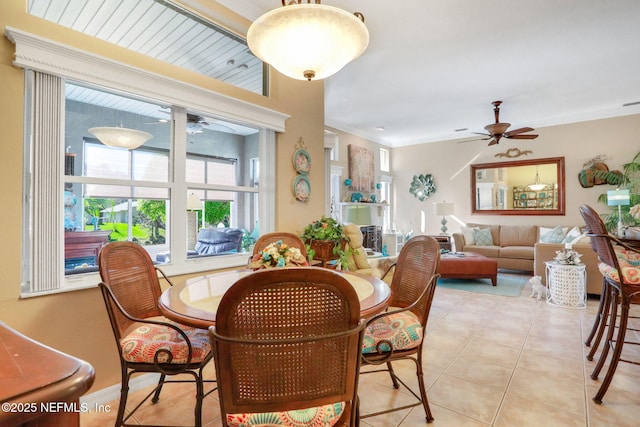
76,322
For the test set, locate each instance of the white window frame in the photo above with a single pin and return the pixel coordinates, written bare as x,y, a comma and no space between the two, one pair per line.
40,54
385,160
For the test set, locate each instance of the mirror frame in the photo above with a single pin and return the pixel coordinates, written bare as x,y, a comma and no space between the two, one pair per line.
558,161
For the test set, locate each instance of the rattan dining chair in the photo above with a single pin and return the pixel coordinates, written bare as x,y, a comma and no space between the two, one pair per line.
287,349
398,334
131,288
619,265
289,238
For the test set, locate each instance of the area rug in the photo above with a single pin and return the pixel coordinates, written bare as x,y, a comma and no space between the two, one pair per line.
509,284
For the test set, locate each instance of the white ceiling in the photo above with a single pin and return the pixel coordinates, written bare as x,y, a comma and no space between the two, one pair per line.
433,66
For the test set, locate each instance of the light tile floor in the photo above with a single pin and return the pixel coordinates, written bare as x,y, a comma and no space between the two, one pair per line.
490,361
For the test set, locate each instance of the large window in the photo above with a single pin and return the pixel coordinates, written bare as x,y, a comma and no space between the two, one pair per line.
125,194
110,193
78,190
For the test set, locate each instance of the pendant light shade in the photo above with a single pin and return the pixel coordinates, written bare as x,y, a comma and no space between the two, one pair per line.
536,185
308,41
120,137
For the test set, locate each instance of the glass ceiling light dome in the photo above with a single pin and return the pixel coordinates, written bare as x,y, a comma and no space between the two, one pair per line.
308,41
120,137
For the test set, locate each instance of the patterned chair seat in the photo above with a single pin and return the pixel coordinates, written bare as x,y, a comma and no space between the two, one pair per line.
403,330
141,344
321,416
629,264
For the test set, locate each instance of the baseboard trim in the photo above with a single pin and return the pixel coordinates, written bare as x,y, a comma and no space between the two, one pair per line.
108,394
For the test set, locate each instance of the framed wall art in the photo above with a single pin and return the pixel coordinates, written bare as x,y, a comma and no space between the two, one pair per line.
361,168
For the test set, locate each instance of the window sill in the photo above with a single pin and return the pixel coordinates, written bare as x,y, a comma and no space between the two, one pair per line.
88,280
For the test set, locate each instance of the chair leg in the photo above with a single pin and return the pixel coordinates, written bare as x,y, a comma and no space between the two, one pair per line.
199,397
599,315
613,314
423,389
156,395
392,374
124,392
617,350
605,302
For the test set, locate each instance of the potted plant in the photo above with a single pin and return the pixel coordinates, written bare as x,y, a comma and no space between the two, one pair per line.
325,239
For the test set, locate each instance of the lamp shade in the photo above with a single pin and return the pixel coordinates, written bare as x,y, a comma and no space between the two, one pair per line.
120,137
618,197
359,215
194,203
308,41
444,208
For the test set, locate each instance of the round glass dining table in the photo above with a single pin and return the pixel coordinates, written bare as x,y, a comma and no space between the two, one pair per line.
194,302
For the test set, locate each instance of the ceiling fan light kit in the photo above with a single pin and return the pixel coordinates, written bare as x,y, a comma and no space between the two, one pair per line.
307,41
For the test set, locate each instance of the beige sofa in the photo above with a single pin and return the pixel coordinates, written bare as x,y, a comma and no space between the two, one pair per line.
517,247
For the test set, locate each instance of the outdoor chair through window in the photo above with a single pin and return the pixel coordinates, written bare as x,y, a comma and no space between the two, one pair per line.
398,334
147,342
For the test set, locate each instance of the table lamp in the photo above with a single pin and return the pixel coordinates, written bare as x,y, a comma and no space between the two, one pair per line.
444,209
618,198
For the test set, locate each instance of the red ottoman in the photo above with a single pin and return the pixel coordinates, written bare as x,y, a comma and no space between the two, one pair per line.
468,265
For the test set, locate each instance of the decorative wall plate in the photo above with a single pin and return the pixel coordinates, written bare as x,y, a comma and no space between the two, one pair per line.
301,188
422,186
302,161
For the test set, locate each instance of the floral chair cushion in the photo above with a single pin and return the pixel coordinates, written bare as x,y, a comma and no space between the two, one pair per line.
321,416
141,344
629,264
403,330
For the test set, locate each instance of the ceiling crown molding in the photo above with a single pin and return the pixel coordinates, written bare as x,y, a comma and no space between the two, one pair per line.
40,54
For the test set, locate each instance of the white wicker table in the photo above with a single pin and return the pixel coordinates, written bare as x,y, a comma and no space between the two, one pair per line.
566,284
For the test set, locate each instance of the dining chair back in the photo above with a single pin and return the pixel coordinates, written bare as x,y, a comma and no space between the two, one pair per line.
399,333
619,266
287,347
146,342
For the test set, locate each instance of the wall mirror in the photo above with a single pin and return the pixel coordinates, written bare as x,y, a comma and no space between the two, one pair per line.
521,187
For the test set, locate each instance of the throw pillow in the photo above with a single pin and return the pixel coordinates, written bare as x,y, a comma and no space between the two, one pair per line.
467,232
482,236
582,239
572,235
555,235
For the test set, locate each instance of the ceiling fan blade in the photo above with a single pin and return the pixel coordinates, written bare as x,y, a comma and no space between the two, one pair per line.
519,130
521,136
485,134
474,139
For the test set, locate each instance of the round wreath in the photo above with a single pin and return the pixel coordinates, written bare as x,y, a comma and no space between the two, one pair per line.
422,186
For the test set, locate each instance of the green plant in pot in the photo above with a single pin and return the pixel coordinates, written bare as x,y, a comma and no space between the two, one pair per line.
326,239
628,179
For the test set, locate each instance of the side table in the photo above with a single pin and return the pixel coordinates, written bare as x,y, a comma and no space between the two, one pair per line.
444,240
566,284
